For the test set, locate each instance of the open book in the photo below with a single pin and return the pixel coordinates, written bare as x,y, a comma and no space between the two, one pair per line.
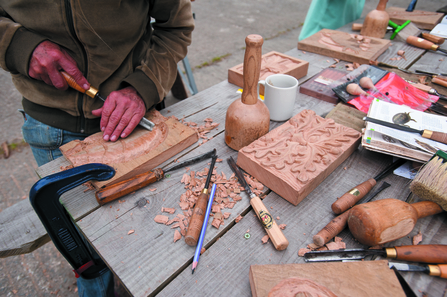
407,145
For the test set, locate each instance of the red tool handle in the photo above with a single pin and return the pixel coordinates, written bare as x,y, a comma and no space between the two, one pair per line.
428,253
438,270
332,229
421,43
350,198
120,189
439,81
197,218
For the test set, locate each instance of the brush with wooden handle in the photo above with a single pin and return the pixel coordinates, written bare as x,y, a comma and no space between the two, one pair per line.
276,236
424,44
94,93
350,198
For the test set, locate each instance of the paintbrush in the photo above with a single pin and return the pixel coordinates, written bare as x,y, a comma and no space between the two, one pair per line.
430,183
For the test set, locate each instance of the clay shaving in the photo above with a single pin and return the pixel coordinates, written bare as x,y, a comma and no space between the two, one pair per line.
337,244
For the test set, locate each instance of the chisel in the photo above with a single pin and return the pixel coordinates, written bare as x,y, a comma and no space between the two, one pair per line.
200,209
94,93
350,198
433,135
120,189
435,270
425,253
276,236
424,44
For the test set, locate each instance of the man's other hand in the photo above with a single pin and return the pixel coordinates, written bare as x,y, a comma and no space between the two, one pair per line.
46,62
121,113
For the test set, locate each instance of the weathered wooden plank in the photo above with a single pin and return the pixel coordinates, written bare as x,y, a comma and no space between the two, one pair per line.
230,257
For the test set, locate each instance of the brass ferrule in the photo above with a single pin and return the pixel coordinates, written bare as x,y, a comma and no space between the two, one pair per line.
434,270
91,92
427,134
434,47
391,253
205,191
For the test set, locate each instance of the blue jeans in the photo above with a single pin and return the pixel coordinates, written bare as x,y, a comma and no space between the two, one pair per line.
45,141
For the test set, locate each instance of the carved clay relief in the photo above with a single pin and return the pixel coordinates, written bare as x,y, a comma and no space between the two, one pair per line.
302,148
296,286
94,149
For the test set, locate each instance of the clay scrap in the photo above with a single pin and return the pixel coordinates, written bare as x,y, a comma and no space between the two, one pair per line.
344,46
293,159
142,151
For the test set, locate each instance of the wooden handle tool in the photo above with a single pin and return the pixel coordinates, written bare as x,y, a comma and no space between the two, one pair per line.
94,93
120,189
276,236
424,44
433,38
434,270
339,223
198,214
350,198
385,220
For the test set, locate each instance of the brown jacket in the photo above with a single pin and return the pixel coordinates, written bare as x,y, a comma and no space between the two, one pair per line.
112,42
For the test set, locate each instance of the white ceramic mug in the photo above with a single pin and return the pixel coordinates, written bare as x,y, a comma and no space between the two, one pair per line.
279,95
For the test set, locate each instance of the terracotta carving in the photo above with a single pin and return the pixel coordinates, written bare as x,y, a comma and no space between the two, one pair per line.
296,286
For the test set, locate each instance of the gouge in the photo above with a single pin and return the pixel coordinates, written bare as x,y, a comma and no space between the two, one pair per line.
350,198
200,209
120,189
435,270
277,237
428,253
433,135
424,44
94,93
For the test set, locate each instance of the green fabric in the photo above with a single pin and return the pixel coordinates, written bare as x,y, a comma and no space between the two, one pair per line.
330,14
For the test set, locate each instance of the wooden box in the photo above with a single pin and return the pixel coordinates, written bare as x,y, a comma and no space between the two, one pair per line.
141,151
293,159
271,63
344,46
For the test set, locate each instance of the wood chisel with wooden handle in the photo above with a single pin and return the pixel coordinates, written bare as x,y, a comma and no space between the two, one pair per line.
338,224
433,135
425,253
120,189
276,236
424,44
94,93
435,270
198,214
350,198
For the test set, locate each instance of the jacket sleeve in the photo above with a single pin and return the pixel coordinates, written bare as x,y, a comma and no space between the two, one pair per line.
16,45
156,73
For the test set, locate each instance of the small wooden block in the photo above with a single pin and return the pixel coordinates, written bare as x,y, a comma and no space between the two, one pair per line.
350,279
320,87
142,151
293,159
344,46
422,19
271,63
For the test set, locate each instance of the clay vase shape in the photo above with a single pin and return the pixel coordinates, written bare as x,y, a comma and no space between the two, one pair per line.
248,118
385,220
376,21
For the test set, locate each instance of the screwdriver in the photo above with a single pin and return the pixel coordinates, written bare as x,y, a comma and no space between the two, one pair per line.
94,93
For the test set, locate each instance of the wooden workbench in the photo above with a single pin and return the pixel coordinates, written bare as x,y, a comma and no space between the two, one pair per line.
148,262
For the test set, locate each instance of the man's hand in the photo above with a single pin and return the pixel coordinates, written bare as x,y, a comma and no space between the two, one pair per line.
46,62
121,113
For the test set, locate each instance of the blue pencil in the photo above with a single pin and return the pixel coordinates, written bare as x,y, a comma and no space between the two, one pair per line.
202,232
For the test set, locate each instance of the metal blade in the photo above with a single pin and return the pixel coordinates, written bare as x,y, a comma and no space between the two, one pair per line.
340,255
192,160
408,267
391,125
405,286
239,175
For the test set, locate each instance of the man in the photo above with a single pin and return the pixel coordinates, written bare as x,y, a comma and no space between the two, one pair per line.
108,44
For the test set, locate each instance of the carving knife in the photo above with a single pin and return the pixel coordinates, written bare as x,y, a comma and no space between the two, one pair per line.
120,189
426,253
435,270
94,93
433,135
277,237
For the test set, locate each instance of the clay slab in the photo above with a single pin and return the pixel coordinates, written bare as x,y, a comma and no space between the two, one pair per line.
293,159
